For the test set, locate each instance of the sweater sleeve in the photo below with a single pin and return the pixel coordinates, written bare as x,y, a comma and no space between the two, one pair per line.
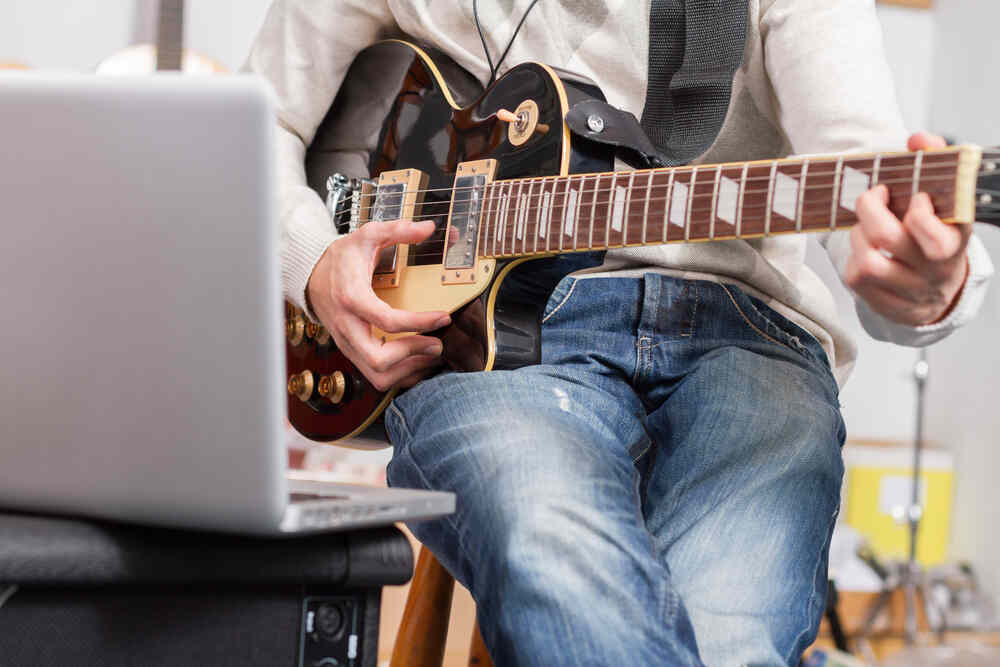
834,93
304,50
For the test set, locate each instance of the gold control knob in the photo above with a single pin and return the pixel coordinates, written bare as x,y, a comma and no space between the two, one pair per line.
322,336
333,387
312,329
295,329
301,385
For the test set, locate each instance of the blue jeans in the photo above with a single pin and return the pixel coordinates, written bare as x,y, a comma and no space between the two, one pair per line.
660,490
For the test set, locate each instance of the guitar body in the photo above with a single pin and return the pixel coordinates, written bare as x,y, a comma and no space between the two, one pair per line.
403,107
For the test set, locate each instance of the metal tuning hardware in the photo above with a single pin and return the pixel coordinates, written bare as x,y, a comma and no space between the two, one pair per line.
301,385
343,201
468,195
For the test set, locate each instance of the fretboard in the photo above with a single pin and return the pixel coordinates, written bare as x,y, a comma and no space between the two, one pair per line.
712,202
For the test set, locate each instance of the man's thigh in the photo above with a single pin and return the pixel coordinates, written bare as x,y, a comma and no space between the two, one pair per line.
742,492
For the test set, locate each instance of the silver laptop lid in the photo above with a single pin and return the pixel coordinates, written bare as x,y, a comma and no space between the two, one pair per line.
139,291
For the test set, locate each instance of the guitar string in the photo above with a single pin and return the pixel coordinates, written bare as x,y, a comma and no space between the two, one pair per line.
581,179
931,161
633,222
708,169
778,192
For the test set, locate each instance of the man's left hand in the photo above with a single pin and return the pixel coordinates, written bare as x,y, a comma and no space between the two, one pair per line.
912,270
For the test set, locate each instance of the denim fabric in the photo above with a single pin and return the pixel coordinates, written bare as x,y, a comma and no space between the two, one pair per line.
660,490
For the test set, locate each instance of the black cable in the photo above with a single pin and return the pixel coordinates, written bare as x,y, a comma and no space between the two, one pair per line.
494,69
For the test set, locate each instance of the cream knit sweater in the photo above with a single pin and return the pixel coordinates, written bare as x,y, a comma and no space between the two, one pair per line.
813,80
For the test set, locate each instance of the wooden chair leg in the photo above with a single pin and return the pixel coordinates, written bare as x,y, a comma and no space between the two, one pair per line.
424,628
478,656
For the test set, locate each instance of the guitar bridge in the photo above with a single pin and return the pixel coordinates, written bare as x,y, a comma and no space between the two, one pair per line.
343,201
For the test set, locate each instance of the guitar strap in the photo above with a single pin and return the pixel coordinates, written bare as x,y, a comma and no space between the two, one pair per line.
695,48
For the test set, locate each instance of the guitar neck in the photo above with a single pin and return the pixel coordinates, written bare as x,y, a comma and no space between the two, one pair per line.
535,216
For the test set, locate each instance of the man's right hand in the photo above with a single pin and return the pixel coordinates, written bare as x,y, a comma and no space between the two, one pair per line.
340,293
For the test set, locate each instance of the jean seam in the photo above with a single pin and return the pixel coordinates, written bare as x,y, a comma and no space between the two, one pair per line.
563,302
815,592
754,326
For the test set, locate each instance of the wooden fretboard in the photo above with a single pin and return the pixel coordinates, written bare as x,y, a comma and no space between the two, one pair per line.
714,202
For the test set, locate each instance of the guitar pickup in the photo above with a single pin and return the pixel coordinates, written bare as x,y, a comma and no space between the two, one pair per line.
467,204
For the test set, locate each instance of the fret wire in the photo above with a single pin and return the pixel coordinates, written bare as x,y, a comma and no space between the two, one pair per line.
531,233
576,213
645,210
484,224
593,212
875,169
607,220
667,203
715,203
802,195
541,214
690,204
739,209
628,208
562,223
917,162
770,204
518,216
506,213
835,198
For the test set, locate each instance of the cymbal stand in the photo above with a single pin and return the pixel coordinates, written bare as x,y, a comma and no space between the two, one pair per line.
908,576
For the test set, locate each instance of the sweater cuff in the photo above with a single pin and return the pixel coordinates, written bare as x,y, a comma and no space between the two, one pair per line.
307,232
969,302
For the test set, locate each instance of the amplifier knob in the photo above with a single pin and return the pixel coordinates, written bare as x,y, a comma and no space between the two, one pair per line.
333,387
301,385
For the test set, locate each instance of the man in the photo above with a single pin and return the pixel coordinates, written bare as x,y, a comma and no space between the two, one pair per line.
662,488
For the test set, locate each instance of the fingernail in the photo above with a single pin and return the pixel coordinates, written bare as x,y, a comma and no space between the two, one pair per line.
443,322
433,350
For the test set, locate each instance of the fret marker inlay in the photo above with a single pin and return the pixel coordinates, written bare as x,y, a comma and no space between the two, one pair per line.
618,210
502,222
729,192
545,215
786,195
679,204
854,184
522,215
569,218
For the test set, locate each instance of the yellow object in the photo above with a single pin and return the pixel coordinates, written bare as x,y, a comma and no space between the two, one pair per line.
879,492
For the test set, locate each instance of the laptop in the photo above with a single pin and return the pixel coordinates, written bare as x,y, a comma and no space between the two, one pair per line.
142,347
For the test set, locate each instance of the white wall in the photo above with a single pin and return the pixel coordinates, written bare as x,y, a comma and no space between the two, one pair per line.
942,62
878,399
964,390
77,35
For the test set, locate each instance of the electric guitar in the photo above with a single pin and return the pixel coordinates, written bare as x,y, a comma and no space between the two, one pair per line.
520,200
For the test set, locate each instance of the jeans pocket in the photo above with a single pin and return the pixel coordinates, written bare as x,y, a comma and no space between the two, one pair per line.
560,295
